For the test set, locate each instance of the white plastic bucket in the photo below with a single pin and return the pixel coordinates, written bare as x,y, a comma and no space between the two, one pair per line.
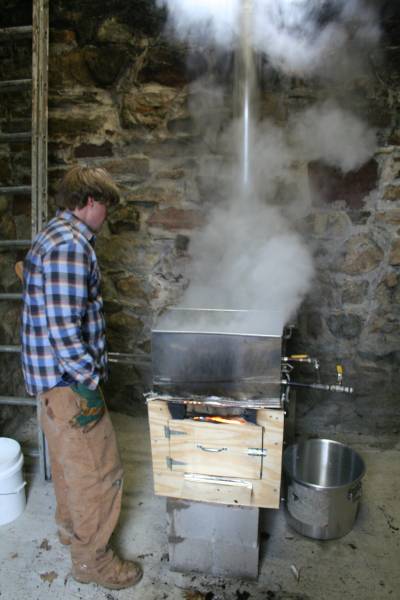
12,484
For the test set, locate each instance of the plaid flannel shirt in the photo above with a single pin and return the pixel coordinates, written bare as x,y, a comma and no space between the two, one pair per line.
63,329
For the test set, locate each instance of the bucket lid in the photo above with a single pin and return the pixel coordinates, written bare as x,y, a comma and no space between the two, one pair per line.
10,453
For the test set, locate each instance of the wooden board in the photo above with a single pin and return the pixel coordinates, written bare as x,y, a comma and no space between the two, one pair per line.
269,486
262,491
215,449
222,494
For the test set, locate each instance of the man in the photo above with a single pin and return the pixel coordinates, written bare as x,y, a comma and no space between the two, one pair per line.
64,359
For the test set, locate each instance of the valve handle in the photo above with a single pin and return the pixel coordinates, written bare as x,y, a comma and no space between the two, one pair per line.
339,372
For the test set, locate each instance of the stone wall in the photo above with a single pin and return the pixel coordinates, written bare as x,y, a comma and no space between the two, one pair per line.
119,97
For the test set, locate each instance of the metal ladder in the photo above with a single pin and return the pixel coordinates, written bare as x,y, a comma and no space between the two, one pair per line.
39,32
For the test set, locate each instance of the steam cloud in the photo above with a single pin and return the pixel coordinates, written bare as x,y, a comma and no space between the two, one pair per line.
248,256
339,138
313,36
249,261
215,20
298,36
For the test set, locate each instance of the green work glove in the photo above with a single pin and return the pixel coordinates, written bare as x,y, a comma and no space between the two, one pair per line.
92,405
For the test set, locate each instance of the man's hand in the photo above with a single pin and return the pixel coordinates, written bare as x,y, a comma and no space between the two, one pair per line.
19,269
92,406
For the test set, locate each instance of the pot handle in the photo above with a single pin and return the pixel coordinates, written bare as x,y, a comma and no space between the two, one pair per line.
354,494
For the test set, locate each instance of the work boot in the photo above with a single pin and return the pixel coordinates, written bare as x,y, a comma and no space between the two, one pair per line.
116,575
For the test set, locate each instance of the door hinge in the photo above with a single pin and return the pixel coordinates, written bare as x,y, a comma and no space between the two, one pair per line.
173,463
256,452
169,432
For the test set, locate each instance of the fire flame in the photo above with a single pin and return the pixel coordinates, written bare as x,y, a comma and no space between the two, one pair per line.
218,419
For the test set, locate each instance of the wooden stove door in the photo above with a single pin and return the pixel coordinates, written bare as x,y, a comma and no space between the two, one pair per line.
215,449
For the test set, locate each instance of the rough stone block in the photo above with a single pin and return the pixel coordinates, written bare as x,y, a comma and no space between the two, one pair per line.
7,228
124,218
394,258
331,224
150,105
138,165
69,69
392,217
62,36
355,292
392,192
331,184
176,218
111,31
362,255
105,63
93,150
166,65
73,125
347,326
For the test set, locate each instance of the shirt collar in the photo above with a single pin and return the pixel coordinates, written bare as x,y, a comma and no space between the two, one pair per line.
77,223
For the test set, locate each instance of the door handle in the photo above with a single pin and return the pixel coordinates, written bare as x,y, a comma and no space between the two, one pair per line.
211,449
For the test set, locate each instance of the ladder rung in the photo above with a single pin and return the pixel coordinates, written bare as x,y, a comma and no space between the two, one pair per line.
21,136
7,296
15,189
18,400
122,358
113,357
15,243
29,450
15,33
14,84
10,348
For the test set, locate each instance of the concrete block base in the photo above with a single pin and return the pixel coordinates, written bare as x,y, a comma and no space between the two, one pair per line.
213,538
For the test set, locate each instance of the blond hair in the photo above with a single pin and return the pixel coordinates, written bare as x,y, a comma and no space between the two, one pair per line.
81,182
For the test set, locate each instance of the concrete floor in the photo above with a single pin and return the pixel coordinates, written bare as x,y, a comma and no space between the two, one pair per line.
362,565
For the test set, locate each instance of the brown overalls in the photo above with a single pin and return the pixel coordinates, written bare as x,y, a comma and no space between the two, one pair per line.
87,476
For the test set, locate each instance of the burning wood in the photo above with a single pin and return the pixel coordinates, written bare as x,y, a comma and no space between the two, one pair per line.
234,420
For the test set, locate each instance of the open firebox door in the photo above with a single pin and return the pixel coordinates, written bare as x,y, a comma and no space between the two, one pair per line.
220,394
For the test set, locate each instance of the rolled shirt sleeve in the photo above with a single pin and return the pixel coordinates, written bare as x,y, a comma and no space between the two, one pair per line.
66,274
